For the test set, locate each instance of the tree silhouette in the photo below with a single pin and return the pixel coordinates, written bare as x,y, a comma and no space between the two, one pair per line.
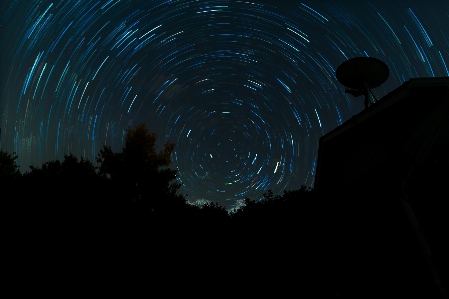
139,173
9,169
67,188
75,215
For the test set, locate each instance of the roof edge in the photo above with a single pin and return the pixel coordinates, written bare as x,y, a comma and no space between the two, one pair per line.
389,99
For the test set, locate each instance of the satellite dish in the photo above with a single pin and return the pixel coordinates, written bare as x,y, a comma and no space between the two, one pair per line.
359,74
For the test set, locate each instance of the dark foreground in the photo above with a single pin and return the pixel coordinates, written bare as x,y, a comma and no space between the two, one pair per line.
286,256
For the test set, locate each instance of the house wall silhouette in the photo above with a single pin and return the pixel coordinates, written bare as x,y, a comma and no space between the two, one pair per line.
382,177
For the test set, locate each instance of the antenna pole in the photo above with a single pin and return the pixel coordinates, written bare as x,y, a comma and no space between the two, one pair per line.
366,92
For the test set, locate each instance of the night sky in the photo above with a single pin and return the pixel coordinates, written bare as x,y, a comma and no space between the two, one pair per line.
245,89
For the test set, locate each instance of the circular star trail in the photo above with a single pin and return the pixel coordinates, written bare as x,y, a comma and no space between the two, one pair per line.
244,89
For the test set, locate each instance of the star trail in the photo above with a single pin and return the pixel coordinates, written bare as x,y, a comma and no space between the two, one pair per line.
244,88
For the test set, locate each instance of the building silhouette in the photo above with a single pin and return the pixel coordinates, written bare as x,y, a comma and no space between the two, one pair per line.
382,177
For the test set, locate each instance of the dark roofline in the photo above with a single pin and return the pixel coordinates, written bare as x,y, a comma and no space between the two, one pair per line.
389,99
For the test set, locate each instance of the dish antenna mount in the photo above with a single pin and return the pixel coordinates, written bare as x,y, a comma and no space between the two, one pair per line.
360,74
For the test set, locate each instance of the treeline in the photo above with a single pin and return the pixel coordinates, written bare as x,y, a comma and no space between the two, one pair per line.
126,217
